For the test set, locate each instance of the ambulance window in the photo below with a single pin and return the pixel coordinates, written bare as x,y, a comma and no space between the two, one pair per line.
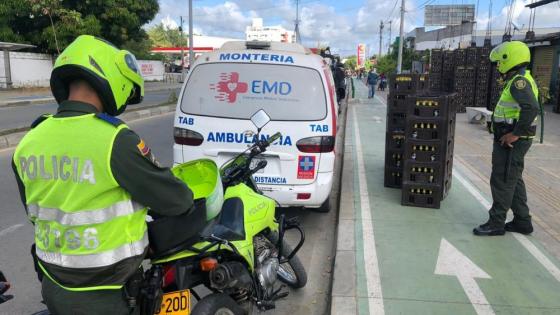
238,90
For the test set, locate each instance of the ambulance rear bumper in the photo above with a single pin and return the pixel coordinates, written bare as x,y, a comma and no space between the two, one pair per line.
287,195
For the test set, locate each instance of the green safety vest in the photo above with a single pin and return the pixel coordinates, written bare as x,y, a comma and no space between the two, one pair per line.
507,110
83,218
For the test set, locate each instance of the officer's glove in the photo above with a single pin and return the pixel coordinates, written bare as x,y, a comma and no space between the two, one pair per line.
4,286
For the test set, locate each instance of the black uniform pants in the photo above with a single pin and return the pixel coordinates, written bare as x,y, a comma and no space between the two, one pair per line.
508,189
61,302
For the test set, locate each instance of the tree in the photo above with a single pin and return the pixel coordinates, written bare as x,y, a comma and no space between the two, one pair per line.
52,24
351,63
386,64
162,36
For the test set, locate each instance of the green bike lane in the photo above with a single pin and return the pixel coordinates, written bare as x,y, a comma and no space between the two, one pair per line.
427,260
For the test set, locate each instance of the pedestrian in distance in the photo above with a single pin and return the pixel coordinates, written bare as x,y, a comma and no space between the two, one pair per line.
87,181
371,82
514,127
382,82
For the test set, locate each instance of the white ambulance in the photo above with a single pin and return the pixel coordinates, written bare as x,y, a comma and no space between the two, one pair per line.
293,86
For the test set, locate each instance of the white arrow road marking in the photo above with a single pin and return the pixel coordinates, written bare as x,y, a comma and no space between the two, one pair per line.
373,278
524,240
451,262
10,229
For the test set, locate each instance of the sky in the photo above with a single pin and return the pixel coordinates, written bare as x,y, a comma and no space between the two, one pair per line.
342,25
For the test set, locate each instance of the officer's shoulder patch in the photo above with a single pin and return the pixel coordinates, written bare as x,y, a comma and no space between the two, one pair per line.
39,120
520,84
109,119
143,148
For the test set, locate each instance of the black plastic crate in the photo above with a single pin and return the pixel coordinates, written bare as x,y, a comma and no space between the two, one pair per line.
397,103
435,83
394,158
431,106
430,129
460,57
403,84
394,141
396,121
423,173
423,83
421,195
472,56
393,177
428,151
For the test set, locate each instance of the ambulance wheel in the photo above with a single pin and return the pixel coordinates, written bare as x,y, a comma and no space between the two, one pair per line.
325,207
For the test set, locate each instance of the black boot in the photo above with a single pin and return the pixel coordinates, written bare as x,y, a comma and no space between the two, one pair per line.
487,229
516,226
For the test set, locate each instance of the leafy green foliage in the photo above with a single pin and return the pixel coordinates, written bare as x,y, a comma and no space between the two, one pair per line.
51,23
166,37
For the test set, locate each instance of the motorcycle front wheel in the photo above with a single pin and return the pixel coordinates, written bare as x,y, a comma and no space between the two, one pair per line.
217,304
292,272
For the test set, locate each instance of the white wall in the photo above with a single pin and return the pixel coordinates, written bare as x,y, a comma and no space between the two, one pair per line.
28,69
152,70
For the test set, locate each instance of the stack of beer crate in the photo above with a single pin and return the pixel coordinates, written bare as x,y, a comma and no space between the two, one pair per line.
401,87
419,140
465,86
428,150
436,69
448,71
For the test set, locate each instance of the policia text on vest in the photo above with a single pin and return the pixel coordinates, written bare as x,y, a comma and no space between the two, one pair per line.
57,168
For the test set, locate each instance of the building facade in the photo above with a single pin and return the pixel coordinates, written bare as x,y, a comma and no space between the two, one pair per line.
268,33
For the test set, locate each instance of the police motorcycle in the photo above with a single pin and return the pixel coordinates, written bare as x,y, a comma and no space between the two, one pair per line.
231,244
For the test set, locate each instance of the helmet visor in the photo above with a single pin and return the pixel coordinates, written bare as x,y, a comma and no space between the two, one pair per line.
129,68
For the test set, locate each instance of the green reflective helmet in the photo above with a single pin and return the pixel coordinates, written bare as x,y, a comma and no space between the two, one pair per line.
509,55
113,73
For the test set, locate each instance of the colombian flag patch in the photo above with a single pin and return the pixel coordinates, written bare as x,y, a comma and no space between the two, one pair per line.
143,148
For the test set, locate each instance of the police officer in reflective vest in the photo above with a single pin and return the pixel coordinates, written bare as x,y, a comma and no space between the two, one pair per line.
514,127
87,180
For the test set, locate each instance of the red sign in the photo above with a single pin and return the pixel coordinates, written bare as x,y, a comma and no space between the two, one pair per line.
147,69
306,167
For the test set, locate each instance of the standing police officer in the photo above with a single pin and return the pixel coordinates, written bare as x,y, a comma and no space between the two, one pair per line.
86,179
514,127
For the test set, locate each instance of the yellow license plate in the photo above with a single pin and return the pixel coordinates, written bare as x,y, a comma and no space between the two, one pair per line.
175,303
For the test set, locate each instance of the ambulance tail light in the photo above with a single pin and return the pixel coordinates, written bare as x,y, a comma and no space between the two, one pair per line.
187,137
316,144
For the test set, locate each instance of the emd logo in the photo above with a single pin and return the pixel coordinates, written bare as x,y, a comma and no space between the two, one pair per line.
228,87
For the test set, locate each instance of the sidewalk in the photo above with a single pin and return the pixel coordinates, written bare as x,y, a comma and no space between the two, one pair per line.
18,97
392,259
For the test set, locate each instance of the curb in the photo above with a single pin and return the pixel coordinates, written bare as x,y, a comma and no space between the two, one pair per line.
51,99
341,157
11,137
344,291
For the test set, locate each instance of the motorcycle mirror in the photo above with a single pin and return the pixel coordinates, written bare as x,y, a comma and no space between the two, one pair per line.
260,119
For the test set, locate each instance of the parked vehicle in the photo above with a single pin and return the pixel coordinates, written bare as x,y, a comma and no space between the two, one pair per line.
294,86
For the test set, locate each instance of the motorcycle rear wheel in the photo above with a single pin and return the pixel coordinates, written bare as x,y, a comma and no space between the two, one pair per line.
292,272
217,304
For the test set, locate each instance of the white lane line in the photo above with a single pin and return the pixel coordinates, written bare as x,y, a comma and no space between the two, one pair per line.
525,242
373,278
12,228
547,264
379,99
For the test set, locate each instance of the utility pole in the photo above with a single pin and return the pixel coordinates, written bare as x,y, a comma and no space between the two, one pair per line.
401,39
390,36
296,29
181,43
191,37
380,39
